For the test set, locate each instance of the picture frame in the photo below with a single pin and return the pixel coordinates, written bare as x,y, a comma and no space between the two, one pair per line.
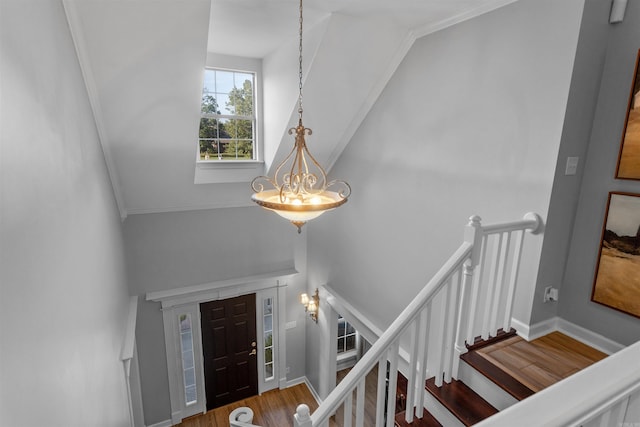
629,156
616,281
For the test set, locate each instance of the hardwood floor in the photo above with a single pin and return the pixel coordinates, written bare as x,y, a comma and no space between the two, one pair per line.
536,364
543,361
274,408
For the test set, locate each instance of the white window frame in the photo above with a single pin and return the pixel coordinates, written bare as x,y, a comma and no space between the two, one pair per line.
228,171
253,118
182,300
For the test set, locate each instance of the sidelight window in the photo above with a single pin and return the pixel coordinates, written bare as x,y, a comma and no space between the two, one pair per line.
267,313
188,362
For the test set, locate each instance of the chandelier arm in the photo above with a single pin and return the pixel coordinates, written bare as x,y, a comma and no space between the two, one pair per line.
322,171
258,186
284,162
344,192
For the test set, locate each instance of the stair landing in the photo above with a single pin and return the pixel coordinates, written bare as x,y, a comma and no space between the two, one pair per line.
535,365
519,367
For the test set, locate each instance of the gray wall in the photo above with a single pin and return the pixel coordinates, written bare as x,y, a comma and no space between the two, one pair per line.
470,123
64,299
598,180
581,108
173,250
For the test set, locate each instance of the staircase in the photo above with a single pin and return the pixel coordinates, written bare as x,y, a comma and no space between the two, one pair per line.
468,304
456,403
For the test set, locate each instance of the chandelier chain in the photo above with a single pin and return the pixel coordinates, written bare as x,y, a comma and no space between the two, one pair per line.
300,69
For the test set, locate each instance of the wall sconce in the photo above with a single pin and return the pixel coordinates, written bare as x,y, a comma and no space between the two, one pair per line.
311,304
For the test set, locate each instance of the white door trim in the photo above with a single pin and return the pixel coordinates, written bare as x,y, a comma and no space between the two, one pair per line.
187,300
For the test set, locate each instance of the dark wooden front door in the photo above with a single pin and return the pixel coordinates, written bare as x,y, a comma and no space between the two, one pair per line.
229,347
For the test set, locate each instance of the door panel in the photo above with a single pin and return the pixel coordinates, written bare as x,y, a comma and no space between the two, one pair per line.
229,344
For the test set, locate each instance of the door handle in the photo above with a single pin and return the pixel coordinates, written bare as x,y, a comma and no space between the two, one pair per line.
253,352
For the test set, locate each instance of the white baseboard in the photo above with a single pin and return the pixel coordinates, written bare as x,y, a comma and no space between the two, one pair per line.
534,331
579,333
591,338
165,423
295,381
313,390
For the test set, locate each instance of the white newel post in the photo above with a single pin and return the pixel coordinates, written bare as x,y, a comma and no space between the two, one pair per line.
473,235
464,317
302,417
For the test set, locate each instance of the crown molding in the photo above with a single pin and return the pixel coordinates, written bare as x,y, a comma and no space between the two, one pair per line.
464,16
394,63
73,21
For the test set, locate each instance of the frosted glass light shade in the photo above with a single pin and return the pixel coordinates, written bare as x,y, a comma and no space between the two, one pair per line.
296,210
304,299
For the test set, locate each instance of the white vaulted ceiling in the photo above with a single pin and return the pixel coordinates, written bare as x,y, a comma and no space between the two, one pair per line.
143,62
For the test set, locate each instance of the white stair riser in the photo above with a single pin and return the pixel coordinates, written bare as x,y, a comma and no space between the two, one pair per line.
486,388
440,412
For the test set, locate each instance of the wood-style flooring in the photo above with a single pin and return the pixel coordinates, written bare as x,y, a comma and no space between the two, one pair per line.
543,361
274,408
536,364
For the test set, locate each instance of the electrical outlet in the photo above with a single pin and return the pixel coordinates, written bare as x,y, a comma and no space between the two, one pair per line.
550,294
288,369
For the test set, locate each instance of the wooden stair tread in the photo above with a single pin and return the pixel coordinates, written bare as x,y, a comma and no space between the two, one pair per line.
501,378
500,336
468,406
427,420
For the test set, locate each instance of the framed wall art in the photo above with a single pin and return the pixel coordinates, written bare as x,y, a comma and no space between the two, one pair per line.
617,279
629,157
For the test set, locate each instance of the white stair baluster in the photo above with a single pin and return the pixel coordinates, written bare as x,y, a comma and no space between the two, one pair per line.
423,357
382,379
503,256
511,291
392,382
360,402
413,367
451,315
348,410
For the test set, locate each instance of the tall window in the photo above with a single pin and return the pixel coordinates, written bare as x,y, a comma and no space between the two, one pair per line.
346,336
227,118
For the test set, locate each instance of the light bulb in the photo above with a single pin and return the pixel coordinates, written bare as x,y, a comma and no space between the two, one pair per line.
312,306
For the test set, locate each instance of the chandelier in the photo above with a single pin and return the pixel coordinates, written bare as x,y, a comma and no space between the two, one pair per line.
300,190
